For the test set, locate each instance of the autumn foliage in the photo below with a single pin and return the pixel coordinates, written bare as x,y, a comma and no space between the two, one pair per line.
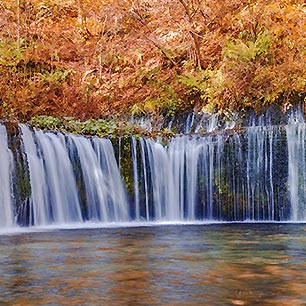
91,58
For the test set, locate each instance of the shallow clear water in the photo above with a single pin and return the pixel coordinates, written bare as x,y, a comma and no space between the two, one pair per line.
221,264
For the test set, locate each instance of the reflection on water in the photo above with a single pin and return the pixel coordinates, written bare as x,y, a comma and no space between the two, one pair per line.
234,264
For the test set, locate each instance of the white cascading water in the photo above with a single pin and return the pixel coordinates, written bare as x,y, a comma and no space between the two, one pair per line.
39,199
6,207
194,175
145,178
54,195
202,175
63,198
135,177
297,166
258,173
115,191
55,198
191,158
259,176
105,195
161,178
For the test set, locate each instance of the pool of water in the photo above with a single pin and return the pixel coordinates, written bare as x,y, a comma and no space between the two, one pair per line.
217,264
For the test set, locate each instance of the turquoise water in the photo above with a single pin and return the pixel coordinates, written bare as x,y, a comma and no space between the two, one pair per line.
221,264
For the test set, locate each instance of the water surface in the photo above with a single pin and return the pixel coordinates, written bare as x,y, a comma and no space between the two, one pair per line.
220,264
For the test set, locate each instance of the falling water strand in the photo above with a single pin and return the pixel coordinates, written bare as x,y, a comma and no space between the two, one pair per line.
101,199
296,168
145,176
6,201
271,202
115,192
54,161
60,181
135,175
39,195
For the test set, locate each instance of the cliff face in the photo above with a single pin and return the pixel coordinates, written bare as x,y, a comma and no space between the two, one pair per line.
50,177
91,58
250,168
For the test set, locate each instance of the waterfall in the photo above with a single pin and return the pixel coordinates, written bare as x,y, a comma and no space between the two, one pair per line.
297,169
160,179
55,164
54,197
194,163
216,177
257,173
135,177
104,193
115,191
39,199
6,216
